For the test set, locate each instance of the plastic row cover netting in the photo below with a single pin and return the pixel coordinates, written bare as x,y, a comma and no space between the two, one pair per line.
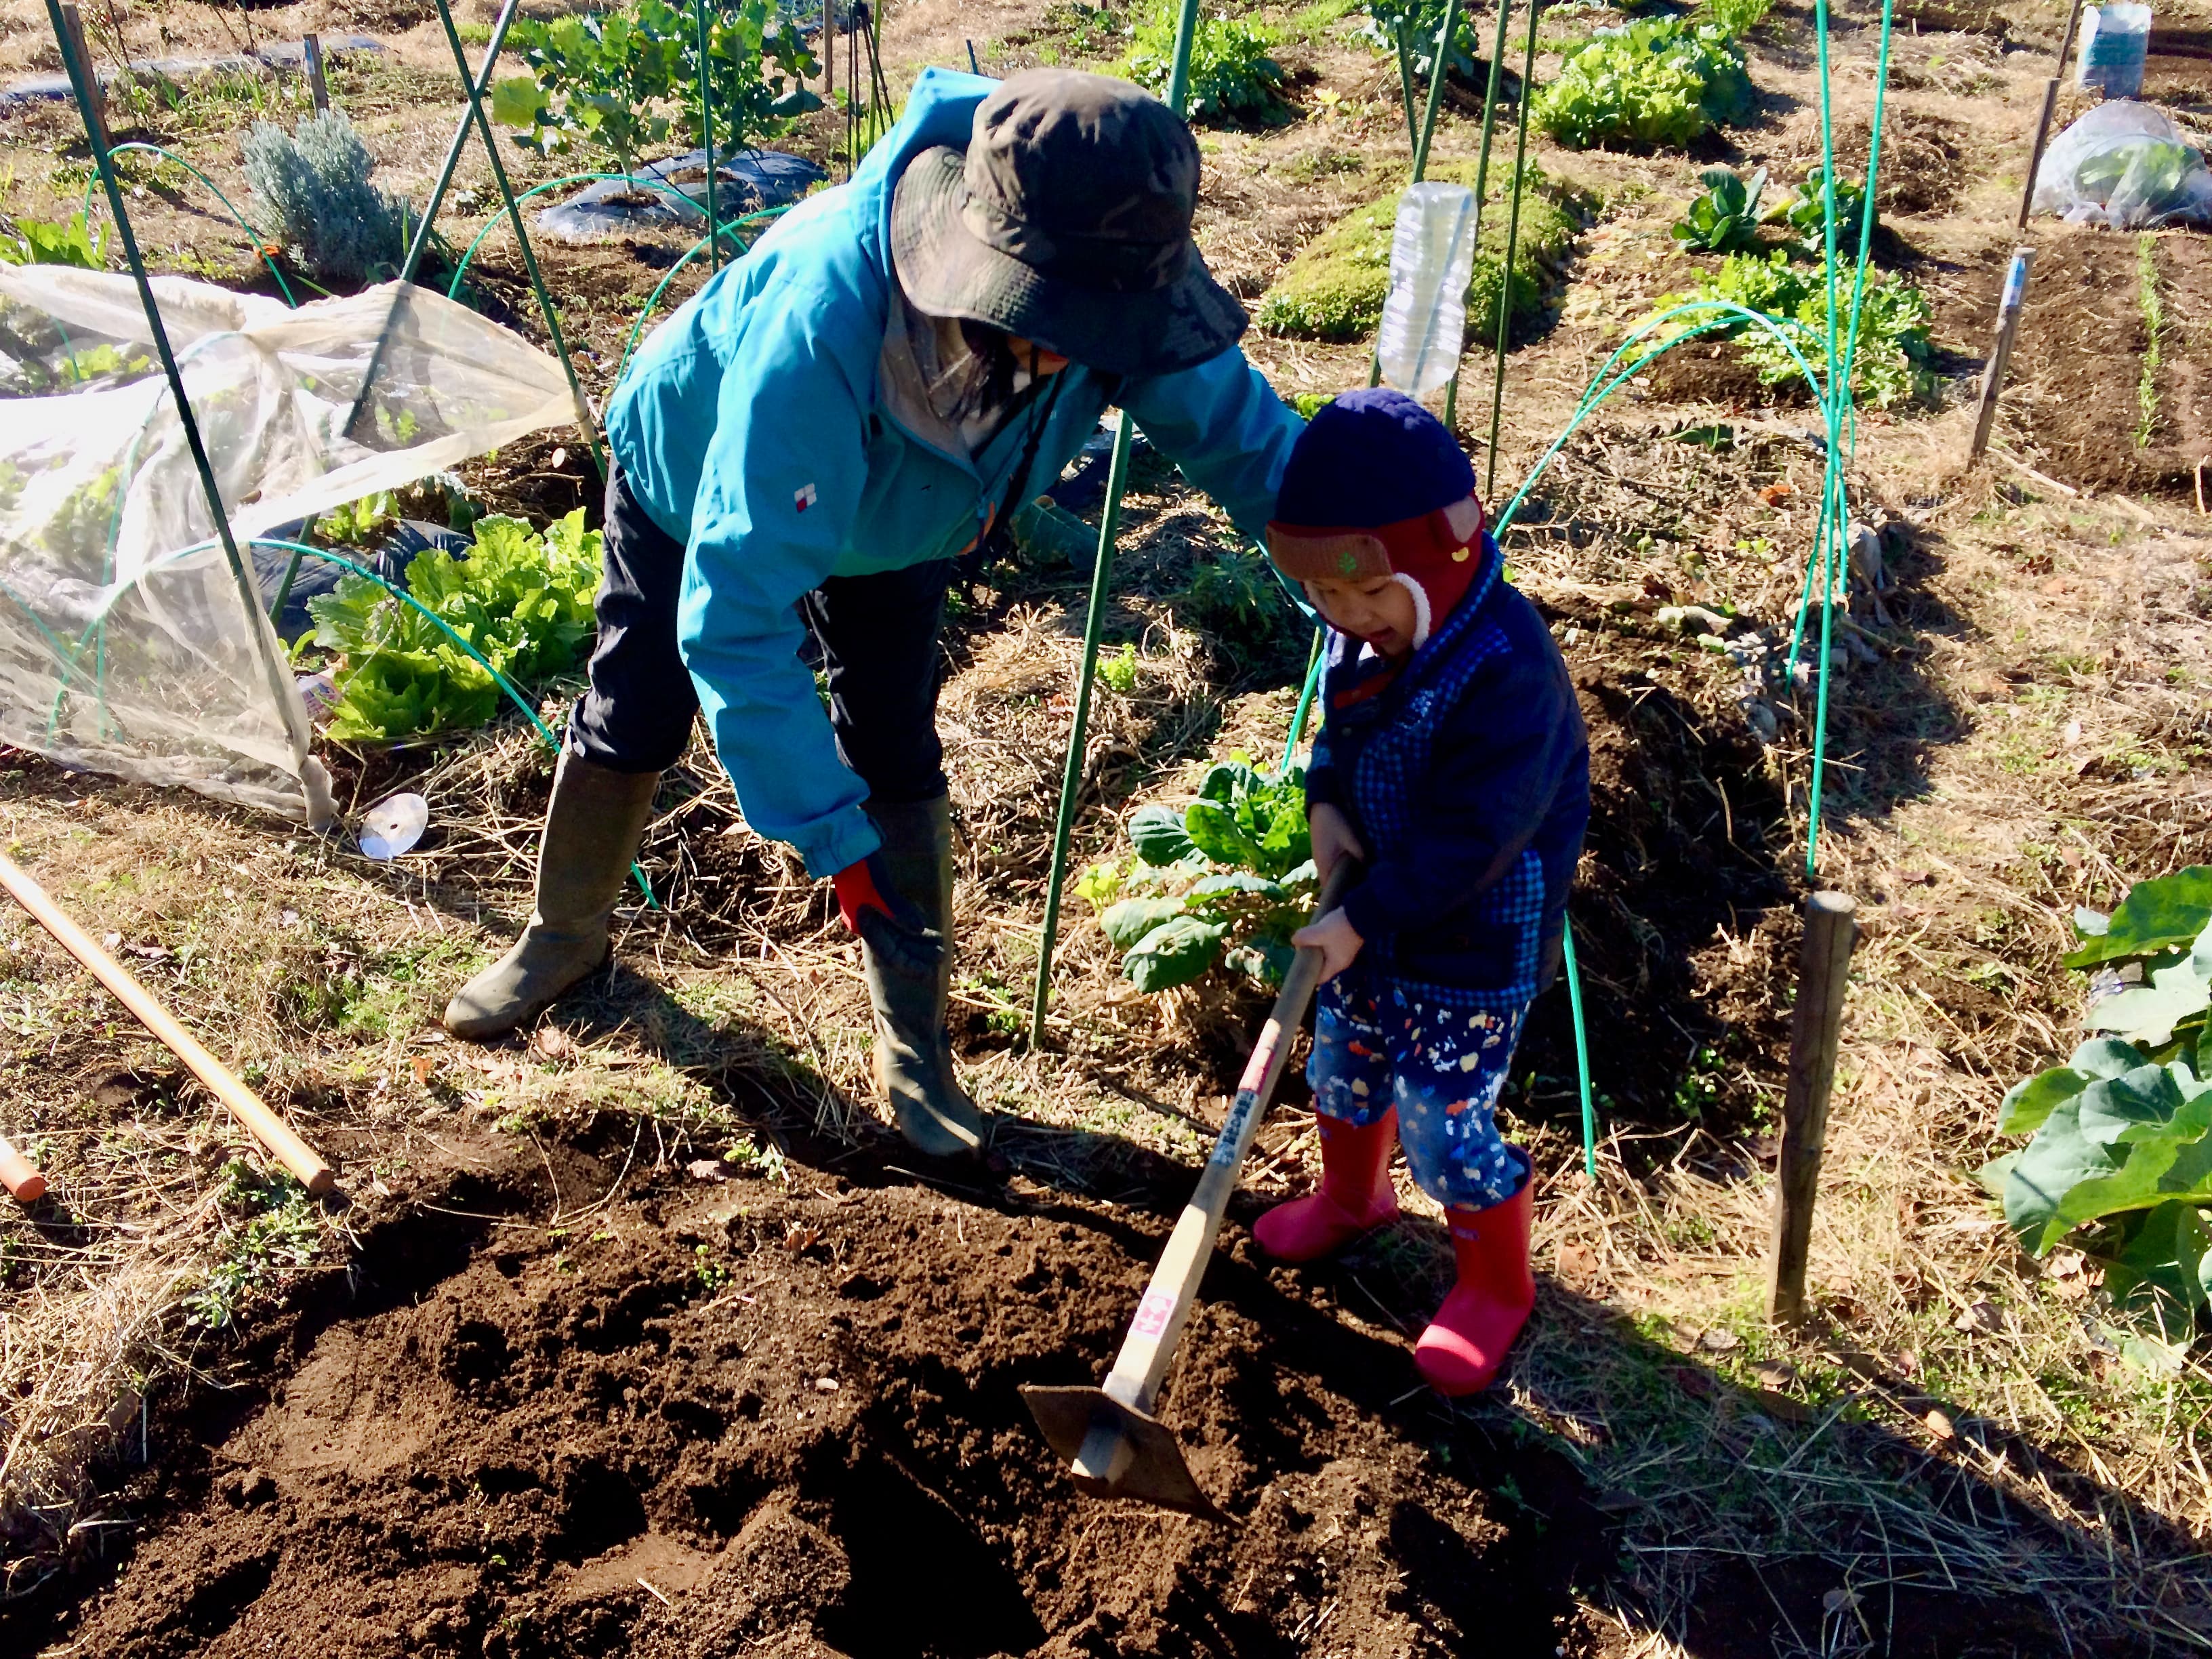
129,643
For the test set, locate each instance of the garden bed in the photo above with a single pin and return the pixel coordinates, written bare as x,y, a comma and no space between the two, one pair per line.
570,1329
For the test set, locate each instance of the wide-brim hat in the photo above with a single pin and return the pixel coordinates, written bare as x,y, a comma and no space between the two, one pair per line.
1067,223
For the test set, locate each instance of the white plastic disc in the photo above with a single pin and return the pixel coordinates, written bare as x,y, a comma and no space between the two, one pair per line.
392,825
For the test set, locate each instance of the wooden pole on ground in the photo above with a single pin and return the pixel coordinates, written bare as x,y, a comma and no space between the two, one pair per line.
1993,372
318,82
73,21
271,1131
2049,108
1823,970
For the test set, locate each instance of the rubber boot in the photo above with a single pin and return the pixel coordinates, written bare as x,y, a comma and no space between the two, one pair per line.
593,827
1355,1196
1461,1351
913,1049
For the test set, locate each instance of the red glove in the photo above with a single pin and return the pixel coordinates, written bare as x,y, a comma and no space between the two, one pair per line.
870,903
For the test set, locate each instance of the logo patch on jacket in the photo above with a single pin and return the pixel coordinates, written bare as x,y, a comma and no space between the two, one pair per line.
803,497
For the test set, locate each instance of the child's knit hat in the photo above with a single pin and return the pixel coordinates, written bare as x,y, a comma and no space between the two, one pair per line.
1376,487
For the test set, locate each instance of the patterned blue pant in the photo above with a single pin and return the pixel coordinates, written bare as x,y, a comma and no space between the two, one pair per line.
1376,1047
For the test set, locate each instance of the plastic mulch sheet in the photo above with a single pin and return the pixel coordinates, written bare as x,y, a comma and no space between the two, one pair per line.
129,643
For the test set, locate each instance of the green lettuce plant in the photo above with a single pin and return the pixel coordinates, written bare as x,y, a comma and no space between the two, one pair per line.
1225,881
1725,219
521,599
2120,1162
1660,80
1231,77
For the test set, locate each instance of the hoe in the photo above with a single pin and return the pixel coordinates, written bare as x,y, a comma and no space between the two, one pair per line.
1114,1446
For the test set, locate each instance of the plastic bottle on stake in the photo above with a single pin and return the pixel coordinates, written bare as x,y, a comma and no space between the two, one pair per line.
1432,259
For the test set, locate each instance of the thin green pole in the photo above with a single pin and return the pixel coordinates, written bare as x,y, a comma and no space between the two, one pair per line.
80,85
584,415
1305,697
1581,1051
706,135
1406,82
1512,244
1435,90
1490,113
482,82
1117,474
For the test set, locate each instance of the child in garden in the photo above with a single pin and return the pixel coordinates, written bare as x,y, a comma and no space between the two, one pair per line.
1453,762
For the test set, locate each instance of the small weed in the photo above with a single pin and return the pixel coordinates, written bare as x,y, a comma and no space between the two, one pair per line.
2153,316
270,1229
1120,671
708,1273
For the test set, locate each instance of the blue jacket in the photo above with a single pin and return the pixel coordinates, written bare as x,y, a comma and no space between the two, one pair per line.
1468,779
751,430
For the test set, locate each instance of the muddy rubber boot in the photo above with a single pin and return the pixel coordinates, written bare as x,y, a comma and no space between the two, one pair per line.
592,826
1460,1352
913,1049
1355,1196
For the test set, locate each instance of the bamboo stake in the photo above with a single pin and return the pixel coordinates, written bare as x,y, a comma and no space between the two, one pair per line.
706,137
585,417
1823,972
319,85
263,1124
96,107
2010,305
1512,242
1117,473
19,1175
83,84
2049,108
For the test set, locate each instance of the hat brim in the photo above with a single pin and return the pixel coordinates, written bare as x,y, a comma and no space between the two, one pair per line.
947,271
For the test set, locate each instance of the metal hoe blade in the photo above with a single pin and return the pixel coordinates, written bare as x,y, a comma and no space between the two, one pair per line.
1115,1450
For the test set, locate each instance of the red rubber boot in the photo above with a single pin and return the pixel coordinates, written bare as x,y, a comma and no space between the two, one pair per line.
1461,1351
1355,1195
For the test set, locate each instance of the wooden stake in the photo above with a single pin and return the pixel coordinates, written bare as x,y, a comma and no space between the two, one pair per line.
73,21
829,52
271,1131
1822,972
1993,372
2049,108
19,1175
312,46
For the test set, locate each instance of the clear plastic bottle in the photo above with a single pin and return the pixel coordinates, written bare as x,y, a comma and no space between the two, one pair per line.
1432,258
2114,41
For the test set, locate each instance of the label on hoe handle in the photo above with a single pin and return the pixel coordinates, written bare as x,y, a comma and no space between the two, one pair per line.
1153,1313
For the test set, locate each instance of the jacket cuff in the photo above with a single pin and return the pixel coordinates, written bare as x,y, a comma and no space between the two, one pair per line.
1368,916
1322,788
844,838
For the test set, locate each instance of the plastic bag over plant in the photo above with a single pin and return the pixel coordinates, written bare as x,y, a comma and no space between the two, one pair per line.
2124,165
121,652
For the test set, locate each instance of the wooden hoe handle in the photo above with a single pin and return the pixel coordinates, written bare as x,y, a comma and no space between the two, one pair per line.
1146,1351
19,1175
271,1131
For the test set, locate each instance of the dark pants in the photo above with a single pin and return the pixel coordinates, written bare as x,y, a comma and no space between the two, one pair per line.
876,635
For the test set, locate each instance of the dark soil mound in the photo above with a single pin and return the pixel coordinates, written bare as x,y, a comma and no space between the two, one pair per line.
743,1418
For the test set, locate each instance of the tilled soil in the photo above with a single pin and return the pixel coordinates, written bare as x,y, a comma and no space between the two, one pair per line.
783,1419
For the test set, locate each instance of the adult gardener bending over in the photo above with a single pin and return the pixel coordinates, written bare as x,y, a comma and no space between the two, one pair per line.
811,442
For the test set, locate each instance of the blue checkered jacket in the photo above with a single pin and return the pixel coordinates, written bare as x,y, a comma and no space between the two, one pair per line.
1468,779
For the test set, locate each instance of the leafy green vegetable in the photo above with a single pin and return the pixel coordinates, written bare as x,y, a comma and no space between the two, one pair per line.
1420,20
43,242
2121,1158
620,82
1890,362
1231,77
1659,81
1807,214
521,599
1228,878
1725,219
